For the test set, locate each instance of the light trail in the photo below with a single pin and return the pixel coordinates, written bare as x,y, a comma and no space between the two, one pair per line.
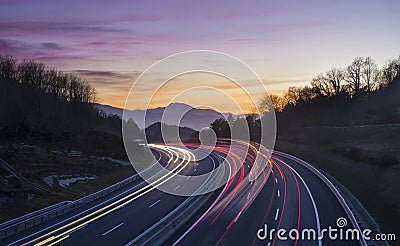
135,195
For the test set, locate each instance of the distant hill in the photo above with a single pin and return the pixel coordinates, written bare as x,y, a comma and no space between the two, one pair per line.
194,118
153,132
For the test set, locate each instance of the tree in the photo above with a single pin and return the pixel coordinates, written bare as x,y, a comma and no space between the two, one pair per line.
278,102
67,87
369,73
353,75
292,95
336,77
307,94
8,66
389,72
221,128
322,86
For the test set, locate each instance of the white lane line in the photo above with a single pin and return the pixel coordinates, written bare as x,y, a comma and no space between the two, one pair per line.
237,217
276,180
118,196
248,196
77,229
279,193
112,229
188,177
313,203
269,244
177,187
195,170
277,213
154,203
272,171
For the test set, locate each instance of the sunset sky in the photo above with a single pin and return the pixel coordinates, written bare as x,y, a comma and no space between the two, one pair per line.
111,42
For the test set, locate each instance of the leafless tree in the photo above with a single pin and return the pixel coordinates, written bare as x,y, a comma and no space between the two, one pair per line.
67,87
336,78
8,66
353,75
292,95
369,74
322,86
389,72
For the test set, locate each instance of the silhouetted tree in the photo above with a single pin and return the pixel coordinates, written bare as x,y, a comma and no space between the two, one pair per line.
370,74
322,86
8,66
221,128
292,95
389,72
65,86
353,75
336,78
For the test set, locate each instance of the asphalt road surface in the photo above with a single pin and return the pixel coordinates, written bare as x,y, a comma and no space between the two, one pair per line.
286,195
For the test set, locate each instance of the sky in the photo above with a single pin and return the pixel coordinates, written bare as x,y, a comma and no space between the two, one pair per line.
110,43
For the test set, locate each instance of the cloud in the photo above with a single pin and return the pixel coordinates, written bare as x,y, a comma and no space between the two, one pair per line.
46,51
52,46
104,74
54,26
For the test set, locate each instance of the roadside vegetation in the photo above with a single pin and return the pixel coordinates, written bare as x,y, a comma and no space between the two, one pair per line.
345,121
52,135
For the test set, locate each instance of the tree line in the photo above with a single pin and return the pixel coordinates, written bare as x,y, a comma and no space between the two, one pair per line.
67,87
361,93
360,79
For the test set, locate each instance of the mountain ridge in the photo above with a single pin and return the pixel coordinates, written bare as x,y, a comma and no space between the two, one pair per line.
195,118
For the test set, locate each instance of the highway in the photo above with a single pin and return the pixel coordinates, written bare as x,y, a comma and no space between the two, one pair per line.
292,198
286,195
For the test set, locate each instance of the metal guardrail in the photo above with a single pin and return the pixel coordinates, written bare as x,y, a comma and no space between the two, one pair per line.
37,217
166,227
30,215
364,218
339,197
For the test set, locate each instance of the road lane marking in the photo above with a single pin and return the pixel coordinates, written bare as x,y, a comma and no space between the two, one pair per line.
177,187
195,170
78,229
313,203
276,180
125,200
248,196
112,229
188,177
269,244
59,240
277,213
209,208
133,241
83,212
154,203
279,193
237,217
